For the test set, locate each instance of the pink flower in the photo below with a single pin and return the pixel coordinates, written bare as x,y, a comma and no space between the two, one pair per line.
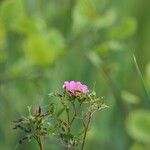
75,88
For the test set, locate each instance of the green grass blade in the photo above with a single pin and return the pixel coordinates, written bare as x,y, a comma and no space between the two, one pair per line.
147,100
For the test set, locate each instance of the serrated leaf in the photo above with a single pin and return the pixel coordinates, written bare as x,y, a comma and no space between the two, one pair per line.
103,106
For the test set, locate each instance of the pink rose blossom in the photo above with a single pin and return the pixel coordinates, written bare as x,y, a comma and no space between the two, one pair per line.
75,88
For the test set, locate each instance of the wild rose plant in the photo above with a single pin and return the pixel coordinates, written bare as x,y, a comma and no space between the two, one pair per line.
74,107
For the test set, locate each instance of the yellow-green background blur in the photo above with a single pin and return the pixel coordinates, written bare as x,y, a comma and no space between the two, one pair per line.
45,42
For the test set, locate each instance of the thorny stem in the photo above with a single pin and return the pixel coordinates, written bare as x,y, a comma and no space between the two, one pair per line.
39,140
86,129
69,122
40,144
68,119
75,113
68,126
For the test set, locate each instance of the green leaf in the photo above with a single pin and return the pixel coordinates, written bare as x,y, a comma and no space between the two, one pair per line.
68,136
106,20
60,112
44,49
86,15
125,29
2,31
94,58
104,48
138,126
129,97
31,25
137,146
29,111
103,106
12,13
148,75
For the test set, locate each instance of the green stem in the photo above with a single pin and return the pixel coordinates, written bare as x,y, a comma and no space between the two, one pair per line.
39,141
41,145
68,120
86,129
75,114
68,126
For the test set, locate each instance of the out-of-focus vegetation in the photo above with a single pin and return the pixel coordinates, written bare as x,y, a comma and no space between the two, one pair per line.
44,42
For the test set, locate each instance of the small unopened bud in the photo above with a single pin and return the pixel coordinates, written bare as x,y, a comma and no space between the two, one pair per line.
37,111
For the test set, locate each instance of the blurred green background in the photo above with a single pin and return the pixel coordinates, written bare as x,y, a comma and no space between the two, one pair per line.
45,42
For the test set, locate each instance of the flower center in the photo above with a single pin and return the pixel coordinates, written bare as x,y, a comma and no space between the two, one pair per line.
77,91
